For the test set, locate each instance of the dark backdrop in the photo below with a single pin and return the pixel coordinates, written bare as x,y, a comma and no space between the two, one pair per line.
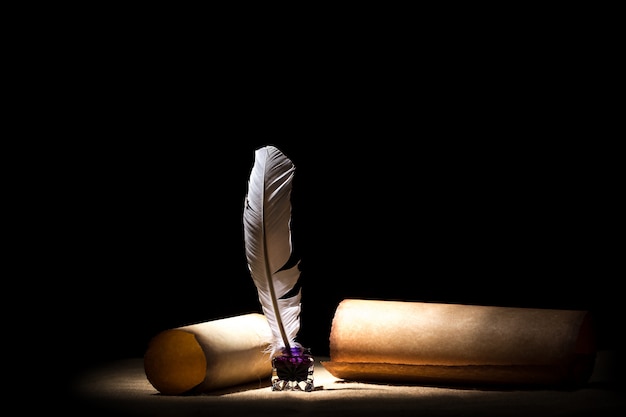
480,169
468,180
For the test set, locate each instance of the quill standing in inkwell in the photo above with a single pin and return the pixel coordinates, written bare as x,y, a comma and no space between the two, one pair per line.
273,267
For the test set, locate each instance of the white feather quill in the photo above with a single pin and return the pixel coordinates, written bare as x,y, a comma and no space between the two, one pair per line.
268,244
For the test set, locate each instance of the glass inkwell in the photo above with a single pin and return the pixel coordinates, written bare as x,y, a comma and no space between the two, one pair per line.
292,369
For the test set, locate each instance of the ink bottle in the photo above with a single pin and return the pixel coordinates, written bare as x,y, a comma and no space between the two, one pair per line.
292,370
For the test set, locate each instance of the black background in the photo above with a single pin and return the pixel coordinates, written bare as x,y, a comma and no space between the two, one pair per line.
467,179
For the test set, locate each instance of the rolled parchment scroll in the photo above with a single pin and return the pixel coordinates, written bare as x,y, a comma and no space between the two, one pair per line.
437,343
209,355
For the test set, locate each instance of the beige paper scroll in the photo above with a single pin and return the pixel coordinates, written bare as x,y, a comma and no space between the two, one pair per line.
209,355
377,340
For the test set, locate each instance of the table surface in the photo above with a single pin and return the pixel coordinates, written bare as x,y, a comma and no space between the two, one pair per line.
120,388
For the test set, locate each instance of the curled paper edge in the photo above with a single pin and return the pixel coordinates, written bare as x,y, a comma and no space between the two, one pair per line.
437,343
209,355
